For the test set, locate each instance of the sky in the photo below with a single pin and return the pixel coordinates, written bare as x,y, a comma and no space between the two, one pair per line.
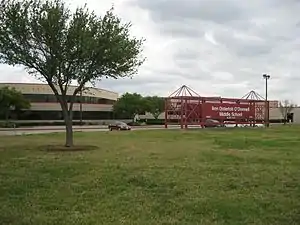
216,47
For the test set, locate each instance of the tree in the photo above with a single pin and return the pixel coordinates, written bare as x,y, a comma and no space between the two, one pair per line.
129,105
11,99
286,107
59,47
155,105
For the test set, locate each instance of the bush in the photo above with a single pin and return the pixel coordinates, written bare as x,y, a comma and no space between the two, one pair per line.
8,124
45,123
134,124
155,122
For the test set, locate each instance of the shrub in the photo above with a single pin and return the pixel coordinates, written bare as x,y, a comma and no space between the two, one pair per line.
155,122
134,124
8,124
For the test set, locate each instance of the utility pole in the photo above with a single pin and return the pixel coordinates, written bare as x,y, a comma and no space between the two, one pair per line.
267,108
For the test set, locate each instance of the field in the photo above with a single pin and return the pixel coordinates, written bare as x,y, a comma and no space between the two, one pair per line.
231,176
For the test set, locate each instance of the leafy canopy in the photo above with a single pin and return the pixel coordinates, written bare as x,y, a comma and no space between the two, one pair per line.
129,105
11,99
155,105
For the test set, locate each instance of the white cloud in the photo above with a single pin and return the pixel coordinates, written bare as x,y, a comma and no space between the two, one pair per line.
219,47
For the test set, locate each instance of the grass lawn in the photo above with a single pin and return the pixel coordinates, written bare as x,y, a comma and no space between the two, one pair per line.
234,176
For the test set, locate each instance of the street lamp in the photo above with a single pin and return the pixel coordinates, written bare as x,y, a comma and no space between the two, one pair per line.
266,77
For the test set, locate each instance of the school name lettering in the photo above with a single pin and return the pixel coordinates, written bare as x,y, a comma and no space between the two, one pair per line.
230,109
235,111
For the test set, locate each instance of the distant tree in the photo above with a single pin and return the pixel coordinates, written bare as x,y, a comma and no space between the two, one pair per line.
155,105
11,99
286,107
59,46
129,105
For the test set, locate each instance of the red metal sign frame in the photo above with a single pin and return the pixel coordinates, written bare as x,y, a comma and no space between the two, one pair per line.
186,107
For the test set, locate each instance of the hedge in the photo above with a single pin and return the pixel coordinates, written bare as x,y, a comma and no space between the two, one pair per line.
12,124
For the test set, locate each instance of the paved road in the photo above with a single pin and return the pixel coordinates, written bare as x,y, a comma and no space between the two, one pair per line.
61,129
44,130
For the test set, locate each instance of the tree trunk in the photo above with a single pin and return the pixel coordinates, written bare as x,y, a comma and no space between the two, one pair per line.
67,113
69,132
68,118
285,120
6,115
134,119
156,115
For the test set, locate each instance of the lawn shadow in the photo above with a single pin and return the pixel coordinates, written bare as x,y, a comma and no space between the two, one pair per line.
62,148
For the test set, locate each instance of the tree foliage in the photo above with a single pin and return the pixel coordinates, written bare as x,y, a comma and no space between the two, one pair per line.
129,105
59,46
155,105
286,107
11,99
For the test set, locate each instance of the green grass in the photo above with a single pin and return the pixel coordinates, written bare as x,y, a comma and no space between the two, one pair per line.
235,176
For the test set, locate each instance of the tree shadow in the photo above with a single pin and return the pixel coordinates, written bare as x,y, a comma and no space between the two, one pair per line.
61,148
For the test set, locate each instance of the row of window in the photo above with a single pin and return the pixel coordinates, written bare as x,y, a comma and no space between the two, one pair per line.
57,115
78,99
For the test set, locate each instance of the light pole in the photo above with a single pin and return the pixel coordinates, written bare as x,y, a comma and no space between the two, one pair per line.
266,77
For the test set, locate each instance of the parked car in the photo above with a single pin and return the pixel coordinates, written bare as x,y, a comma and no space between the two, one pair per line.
213,123
118,125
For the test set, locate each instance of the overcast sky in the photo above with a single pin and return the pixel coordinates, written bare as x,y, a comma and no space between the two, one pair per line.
217,47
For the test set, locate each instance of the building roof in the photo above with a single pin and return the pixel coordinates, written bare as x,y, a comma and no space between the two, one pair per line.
40,88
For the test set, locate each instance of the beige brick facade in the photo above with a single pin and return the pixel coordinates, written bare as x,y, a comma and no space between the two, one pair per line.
36,88
96,103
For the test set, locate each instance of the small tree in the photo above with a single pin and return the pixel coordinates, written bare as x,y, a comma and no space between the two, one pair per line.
155,105
59,47
129,105
286,107
11,99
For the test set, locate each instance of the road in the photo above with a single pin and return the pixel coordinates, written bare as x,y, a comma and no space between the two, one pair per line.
55,129
61,129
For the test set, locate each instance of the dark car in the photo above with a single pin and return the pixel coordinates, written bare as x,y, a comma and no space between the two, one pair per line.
213,123
118,125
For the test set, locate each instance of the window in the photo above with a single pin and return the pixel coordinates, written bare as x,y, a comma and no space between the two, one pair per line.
52,98
57,115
